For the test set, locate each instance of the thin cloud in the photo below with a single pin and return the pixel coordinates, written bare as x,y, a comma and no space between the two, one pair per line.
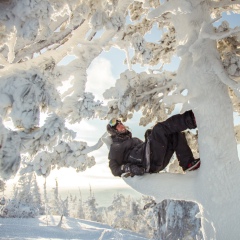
99,76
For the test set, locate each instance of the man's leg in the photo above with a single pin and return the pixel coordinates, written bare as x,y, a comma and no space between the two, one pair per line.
162,139
176,123
183,152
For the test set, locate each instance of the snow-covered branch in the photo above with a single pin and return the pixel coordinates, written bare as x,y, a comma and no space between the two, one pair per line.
206,32
173,7
10,145
148,88
46,137
99,144
64,155
24,92
74,111
72,154
168,185
223,3
56,40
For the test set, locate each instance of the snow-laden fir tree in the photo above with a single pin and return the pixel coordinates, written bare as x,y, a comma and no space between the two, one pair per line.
177,220
55,202
45,199
72,202
36,36
24,202
117,212
65,207
37,197
90,208
80,207
2,187
127,213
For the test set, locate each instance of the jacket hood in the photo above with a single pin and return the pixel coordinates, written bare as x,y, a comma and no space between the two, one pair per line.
115,134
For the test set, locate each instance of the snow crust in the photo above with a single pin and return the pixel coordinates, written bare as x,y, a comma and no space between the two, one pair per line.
46,228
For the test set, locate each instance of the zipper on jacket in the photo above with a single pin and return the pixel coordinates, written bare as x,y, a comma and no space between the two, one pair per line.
138,159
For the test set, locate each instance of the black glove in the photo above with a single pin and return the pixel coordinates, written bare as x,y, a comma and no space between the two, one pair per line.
133,169
136,170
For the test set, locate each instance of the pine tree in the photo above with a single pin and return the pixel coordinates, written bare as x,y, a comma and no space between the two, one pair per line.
2,189
90,207
37,195
22,204
55,208
80,207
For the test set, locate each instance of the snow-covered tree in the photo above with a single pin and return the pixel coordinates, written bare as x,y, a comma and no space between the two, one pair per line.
2,189
72,202
117,212
65,207
37,198
46,201
36,36
24,202
55,204
80,208
177,220
90,208
2,186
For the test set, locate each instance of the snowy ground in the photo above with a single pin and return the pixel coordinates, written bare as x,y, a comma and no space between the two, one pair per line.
37,228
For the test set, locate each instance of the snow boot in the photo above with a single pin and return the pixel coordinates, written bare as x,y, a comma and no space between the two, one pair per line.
194,165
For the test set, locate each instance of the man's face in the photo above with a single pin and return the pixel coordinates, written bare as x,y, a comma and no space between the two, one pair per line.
121,128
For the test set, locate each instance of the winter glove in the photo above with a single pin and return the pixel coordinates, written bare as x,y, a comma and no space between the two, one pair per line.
133,169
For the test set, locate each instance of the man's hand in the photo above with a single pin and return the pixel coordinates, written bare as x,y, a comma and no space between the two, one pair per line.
133,169
137,170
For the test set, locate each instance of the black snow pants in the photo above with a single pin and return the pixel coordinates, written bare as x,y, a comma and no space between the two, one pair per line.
167,138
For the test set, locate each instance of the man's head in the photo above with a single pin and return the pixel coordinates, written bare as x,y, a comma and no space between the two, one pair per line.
117,124
115,127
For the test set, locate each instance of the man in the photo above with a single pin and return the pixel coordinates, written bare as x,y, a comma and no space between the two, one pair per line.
131,155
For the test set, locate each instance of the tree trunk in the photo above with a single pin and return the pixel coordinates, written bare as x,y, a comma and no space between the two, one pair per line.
202,73
215,186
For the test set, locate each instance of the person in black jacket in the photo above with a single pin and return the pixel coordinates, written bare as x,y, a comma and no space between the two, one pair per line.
131,155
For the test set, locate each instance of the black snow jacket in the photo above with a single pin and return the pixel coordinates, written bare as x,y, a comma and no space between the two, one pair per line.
125,150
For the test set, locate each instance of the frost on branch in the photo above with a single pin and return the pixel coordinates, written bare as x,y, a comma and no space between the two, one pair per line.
64,155
230,56
229,50
145,92
153,53
10,144
46,137
136,10
24,94
23,21
85,107
30,26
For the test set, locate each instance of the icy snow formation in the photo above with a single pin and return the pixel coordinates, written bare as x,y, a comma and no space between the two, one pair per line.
71,229
133,92
9,152
63,155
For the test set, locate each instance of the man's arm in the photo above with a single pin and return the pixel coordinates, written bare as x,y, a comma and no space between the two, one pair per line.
115,168
118,170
